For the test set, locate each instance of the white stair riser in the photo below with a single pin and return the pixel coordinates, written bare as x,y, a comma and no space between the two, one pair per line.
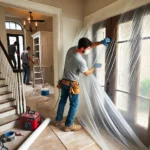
2,97
2,81
8,104
9,125
3,89
8,113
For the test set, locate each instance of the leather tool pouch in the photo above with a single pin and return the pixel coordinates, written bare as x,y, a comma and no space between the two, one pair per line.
25,65
59,85
75,88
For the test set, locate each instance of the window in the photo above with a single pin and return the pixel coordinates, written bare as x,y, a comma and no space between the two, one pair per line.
100,72
144,75
123,59
133,70
12,25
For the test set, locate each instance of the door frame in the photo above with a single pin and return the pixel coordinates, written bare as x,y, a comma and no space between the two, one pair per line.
16,35
18,47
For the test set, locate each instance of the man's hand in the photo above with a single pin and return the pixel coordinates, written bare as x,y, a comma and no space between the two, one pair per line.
106,41
97,65
90,71
34,62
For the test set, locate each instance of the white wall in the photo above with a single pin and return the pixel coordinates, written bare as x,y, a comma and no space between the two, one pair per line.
114,9
2,28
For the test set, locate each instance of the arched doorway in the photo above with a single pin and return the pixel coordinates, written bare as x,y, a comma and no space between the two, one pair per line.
11,28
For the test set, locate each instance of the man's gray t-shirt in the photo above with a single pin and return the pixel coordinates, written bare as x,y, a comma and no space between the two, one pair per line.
11,50
74,64
25,57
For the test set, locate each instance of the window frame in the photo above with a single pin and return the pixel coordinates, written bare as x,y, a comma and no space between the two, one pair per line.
95,28
16,23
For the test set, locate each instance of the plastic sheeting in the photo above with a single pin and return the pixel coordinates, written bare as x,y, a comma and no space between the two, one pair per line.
102,120
97,113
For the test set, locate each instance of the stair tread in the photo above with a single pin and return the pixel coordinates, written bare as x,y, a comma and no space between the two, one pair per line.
8,119
6,100
7,109
3,85
5,92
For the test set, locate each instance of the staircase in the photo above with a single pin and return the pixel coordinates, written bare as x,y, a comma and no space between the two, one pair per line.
8,111
12,100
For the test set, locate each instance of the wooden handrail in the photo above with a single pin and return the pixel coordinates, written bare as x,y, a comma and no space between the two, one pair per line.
7,57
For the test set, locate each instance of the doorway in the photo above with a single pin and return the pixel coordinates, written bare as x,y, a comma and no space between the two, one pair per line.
11,38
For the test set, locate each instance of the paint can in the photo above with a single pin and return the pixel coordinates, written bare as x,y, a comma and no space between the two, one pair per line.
45,91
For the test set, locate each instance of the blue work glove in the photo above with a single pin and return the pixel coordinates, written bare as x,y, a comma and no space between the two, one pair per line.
106,41
97,65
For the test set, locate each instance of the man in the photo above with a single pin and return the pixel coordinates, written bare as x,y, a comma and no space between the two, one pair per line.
11,52
26,58
74,64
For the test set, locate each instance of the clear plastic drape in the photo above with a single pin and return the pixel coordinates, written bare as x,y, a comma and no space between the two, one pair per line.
97,113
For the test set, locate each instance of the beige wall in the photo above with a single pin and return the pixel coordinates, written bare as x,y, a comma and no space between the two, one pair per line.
114,9
93,5
2,28
70,8
47,25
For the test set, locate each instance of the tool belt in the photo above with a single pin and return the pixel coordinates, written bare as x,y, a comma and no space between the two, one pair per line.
74,85
25,65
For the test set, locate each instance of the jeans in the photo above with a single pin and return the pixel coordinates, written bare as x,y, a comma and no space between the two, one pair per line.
26,71
74,100
12,58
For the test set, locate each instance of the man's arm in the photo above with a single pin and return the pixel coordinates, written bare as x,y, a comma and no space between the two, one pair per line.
31,59
95,44
16,51
90,71
105,42
96,65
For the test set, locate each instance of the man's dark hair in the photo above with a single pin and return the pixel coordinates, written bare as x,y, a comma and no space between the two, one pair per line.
84,42
15,43
28,48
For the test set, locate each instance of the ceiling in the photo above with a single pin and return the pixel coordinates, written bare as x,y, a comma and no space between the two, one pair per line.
21,13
